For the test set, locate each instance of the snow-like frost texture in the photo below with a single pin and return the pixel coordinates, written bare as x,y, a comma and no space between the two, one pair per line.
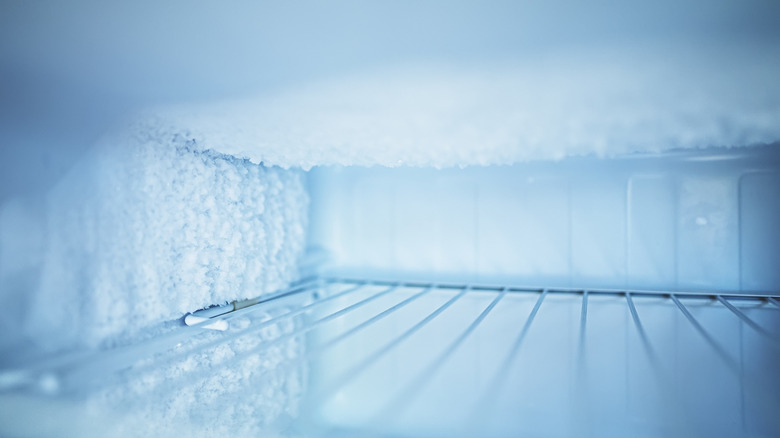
148,227
547,108
241,387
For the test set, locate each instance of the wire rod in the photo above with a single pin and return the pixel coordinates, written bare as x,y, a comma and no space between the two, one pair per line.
568,290
397,405
490,396
354,371
675,409
710,340
583,326
580,407
741,315
641,331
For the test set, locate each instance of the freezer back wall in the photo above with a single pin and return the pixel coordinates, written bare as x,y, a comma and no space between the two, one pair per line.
694,220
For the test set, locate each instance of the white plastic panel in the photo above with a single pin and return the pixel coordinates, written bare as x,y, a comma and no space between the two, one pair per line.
707,236
759,212
695,220
652,212
598,230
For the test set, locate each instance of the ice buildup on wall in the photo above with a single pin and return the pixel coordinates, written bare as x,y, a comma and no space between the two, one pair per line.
151,225
598,102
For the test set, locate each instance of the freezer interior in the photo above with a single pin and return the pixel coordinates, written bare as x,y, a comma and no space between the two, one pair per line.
444,219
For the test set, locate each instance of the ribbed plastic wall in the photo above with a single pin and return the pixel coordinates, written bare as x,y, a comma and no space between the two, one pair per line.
693,220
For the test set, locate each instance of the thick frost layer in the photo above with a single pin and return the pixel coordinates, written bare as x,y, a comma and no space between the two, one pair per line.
548,108
246,382
147,228
245,387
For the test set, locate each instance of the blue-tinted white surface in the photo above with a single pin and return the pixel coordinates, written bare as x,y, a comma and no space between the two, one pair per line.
434,84
696,220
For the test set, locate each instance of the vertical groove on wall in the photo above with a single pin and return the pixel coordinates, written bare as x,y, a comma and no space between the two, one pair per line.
676,255
570,226
477,209
739,230
627,240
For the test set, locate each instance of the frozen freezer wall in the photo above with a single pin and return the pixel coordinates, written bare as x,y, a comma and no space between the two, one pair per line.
243,382
240,387
605,102
145,229
70,69
684,220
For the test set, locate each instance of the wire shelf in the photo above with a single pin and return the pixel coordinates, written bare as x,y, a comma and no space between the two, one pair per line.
502,361
389,358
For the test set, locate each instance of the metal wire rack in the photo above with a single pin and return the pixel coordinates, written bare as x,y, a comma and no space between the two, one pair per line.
504,361
393,358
